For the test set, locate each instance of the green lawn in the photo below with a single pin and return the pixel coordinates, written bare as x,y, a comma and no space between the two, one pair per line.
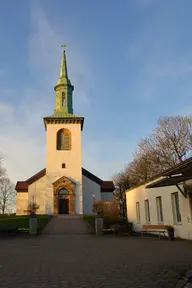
90,219
108,220
21,223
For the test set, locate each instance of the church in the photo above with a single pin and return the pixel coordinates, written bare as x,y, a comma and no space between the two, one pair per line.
64,186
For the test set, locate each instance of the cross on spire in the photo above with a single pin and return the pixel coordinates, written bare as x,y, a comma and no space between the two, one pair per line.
63,46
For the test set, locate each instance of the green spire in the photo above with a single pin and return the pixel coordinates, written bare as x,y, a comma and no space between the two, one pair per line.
63,69
63,78
64,89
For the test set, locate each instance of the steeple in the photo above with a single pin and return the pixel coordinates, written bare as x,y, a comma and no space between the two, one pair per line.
63,89
63,69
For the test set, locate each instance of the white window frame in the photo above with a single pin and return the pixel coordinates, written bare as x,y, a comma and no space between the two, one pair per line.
159,210
138,213
147,212
176,208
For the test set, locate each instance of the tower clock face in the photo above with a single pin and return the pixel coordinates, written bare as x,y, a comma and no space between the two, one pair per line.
63,99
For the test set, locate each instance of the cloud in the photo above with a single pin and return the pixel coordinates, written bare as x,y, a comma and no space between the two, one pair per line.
23,151
22,133
45,57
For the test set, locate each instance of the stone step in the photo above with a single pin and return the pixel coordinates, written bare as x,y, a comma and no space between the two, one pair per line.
65,225
63,216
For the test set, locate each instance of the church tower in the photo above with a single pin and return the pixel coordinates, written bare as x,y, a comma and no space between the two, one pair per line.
64,90
63,147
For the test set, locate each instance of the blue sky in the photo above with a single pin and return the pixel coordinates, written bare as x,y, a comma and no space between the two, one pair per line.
130,62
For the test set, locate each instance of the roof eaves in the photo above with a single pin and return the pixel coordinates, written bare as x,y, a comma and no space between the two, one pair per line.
36,177
91,176
164,173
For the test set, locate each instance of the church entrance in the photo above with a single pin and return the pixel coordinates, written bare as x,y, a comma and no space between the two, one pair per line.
63,196
63,205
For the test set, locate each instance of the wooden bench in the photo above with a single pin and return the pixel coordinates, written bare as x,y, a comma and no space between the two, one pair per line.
147,229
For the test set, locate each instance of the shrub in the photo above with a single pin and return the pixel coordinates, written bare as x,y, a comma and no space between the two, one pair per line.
110,220
106,208
32,208
21,223
119,225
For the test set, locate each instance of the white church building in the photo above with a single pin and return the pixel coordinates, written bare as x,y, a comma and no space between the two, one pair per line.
63,187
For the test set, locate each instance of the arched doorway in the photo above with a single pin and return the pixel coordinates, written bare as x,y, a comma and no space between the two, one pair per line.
64,188
63,201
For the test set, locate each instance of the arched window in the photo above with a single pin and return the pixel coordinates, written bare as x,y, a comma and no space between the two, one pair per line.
63,139
63,192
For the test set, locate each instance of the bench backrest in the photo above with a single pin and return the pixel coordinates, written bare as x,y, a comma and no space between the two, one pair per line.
153,227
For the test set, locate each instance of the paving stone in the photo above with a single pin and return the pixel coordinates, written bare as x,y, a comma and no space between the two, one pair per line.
188,285
65,225
182,282
87,262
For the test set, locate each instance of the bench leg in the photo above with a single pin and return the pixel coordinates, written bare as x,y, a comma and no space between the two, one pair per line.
143,233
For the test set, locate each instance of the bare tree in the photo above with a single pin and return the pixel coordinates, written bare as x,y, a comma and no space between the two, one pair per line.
7,195
169,144
139,170
122,183
2,169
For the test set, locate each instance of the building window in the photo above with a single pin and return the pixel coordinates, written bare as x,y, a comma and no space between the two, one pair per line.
159,210
147,211
63,165
63,99
176,208
138,212
59,140
62,193
66,141
63,139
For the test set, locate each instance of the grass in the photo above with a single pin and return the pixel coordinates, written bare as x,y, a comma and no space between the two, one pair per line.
21,223
90,219
108,221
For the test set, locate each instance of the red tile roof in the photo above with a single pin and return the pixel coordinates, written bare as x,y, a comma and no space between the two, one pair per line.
22,186
36,177
106,186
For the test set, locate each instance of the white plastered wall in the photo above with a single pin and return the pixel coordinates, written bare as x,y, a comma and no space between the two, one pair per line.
140,194
71,158
21,203
38,190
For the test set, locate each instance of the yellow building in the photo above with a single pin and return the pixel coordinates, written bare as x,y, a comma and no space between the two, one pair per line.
63,187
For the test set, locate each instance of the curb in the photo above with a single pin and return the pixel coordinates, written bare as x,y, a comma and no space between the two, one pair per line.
185,282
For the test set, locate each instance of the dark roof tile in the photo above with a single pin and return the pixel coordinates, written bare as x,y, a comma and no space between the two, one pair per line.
107,186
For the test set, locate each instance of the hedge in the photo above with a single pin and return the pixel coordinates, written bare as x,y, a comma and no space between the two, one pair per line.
108,221
21,223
